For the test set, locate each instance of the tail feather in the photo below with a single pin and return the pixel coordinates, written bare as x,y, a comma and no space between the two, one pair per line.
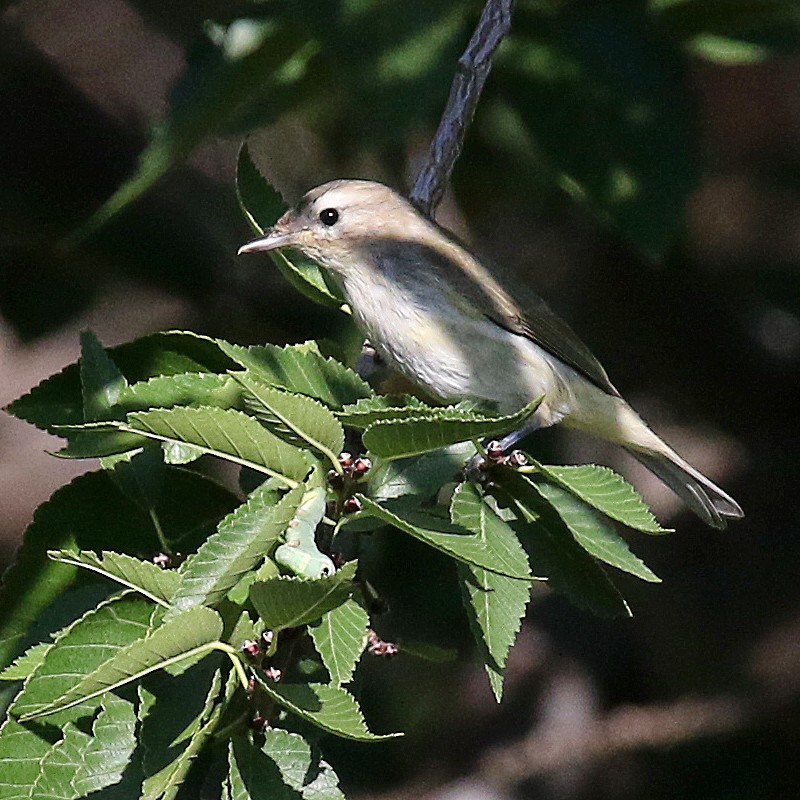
705,498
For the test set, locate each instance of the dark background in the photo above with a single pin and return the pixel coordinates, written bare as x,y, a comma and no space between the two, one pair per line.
690,300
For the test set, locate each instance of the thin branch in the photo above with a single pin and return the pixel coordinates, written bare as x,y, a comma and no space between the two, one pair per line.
473,70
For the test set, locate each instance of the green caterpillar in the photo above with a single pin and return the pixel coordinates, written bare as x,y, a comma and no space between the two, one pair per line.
299,553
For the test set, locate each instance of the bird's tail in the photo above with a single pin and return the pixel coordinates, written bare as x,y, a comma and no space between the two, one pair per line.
611,418
705,498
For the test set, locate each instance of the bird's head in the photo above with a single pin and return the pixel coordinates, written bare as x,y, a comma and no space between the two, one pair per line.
334,223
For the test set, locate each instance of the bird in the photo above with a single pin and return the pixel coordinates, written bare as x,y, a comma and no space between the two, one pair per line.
438,315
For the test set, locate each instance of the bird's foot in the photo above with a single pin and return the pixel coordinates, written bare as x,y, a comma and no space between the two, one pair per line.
477,469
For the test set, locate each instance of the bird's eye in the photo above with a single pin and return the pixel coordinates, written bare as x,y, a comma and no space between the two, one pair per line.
328,216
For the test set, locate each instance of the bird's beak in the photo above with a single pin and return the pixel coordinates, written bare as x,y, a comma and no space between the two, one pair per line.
273,240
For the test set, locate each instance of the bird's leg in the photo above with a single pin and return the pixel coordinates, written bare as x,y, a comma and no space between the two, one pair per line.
506,444
501,451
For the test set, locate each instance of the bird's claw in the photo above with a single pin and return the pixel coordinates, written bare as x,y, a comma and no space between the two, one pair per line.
476,470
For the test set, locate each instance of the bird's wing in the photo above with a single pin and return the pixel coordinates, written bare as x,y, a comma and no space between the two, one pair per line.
534,319
539,323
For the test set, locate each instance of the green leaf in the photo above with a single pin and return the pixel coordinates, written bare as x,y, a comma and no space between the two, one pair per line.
290,602
102,440
471,548
112,746
495,608
470,510
73,767
606,491
553,551
729,52
91,513
367,410
240,593
495,604
340,637
242,540
83,647
301,765
259,200
181,637
429,652
328,707
415,435
184,389
593,534
175,713
304,420
227,434
101,380
262,206
58,400
301,369
141,477
144,577
254,775
21,755
27,663
420,476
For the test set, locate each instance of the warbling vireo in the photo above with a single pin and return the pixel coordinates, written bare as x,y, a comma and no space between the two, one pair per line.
439,317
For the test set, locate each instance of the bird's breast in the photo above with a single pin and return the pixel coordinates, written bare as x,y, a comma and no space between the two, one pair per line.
452,353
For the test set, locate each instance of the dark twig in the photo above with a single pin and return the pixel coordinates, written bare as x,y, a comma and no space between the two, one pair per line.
465,91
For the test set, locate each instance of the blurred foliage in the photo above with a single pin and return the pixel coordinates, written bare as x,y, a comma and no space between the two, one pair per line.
588,98
591,95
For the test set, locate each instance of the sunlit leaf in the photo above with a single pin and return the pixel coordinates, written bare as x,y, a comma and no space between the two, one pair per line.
242,540
290,602
300,418
328,707
184,389
408,437
606,491
463,545
76,765
254,775
86,645
144,577
225,433
594,534
301,765
340,637
58,400
301,369
179,638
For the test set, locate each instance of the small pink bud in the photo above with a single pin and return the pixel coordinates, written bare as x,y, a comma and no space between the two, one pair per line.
351,505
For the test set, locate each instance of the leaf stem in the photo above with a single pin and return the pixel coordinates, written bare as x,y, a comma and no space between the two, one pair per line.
162,539
235,660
